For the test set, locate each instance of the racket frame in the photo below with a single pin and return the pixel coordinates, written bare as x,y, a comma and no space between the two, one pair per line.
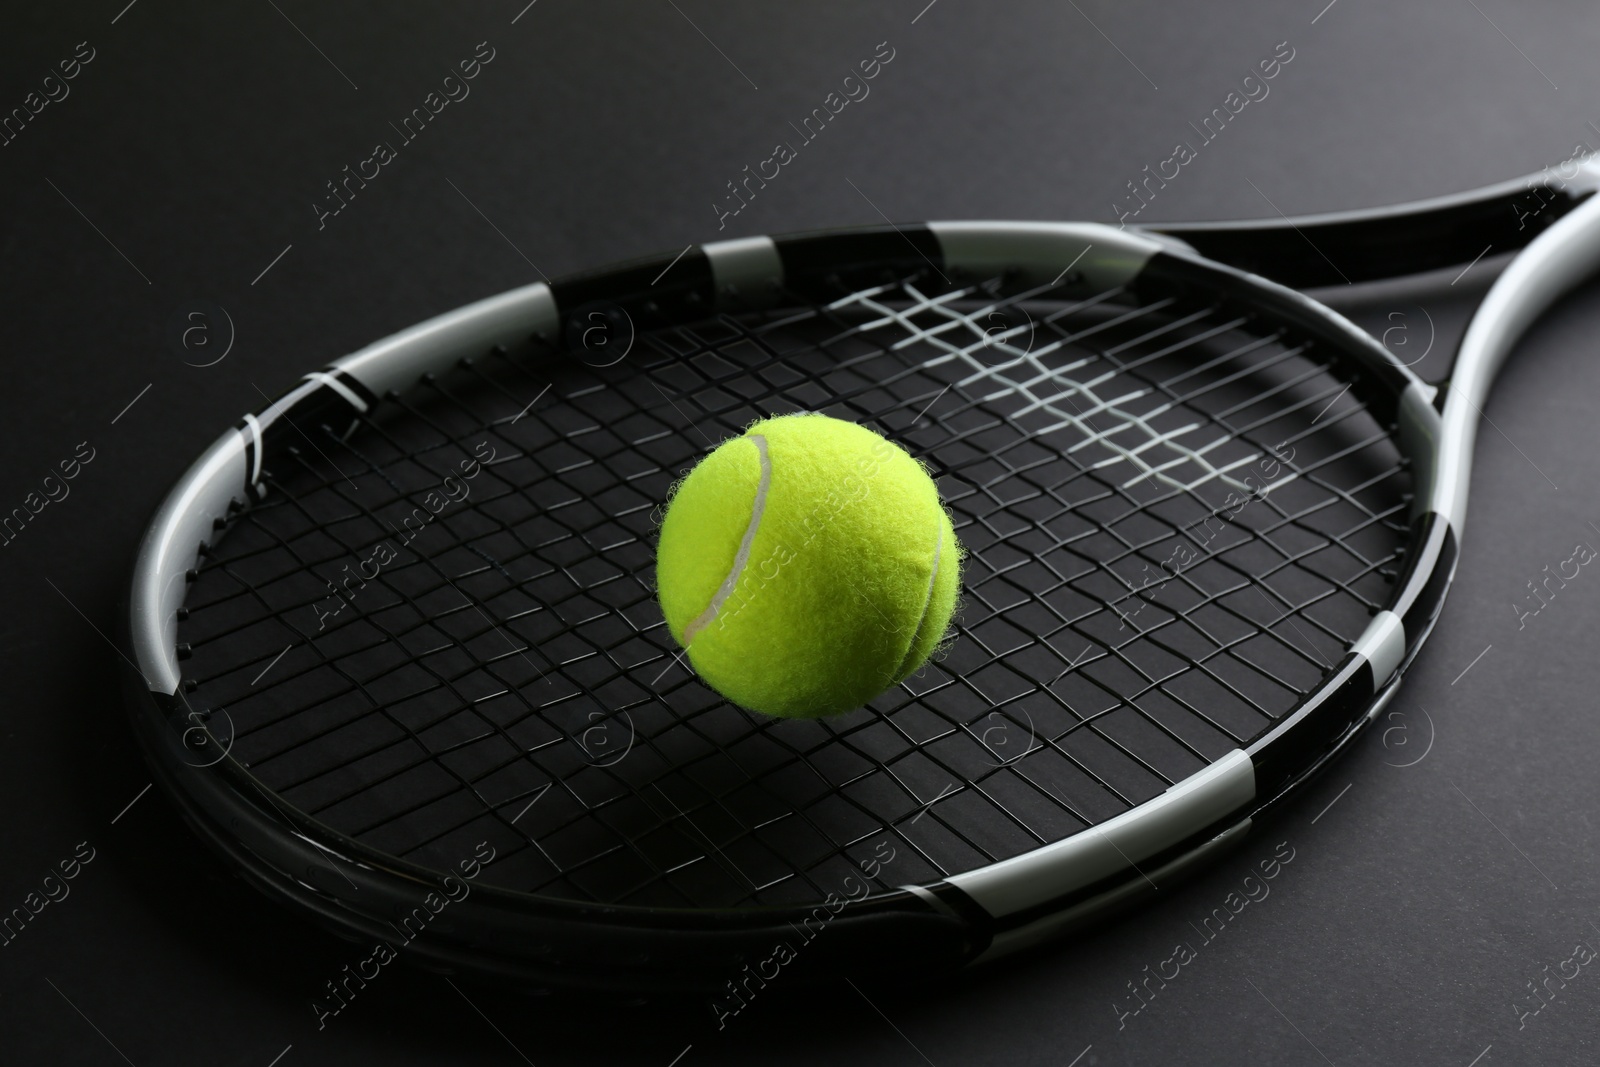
977,915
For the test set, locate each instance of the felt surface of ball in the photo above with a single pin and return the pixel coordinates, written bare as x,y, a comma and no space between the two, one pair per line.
807,566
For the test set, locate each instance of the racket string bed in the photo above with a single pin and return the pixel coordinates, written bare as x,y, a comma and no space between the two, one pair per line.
487,680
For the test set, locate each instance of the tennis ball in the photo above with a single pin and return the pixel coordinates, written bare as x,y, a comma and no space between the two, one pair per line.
807,566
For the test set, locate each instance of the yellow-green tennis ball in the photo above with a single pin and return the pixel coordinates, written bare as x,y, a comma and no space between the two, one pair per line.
807,566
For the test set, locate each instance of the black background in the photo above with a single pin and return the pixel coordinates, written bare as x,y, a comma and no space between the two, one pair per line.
188,155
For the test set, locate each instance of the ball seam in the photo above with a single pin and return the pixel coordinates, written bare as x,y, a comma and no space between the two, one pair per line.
757,508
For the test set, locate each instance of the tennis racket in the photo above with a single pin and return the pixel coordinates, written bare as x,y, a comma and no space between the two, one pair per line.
399,657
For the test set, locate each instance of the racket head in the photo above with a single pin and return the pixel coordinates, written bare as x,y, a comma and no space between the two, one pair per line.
362,731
